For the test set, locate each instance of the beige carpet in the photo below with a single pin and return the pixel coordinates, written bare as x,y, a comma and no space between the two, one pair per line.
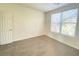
38,46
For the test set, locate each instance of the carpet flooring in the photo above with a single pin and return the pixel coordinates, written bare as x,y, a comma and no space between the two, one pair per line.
37,46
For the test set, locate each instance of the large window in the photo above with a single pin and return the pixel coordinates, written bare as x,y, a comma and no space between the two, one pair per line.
64,22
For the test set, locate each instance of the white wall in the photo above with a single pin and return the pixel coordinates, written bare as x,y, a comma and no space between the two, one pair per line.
27,22
71,41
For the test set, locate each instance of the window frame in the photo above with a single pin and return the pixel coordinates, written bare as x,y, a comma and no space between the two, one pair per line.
62,22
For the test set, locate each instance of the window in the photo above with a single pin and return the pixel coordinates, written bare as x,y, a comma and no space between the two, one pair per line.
64,22
55,22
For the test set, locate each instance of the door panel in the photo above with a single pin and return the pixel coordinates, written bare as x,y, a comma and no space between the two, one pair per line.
7,28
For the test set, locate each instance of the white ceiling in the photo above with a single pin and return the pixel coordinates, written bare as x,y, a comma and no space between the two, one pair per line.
45,6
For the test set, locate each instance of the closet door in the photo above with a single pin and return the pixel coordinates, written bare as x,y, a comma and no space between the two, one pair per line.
6,26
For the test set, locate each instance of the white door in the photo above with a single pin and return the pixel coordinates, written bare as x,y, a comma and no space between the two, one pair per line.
6,26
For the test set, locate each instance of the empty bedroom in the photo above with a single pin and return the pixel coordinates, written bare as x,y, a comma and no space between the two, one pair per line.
39,29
